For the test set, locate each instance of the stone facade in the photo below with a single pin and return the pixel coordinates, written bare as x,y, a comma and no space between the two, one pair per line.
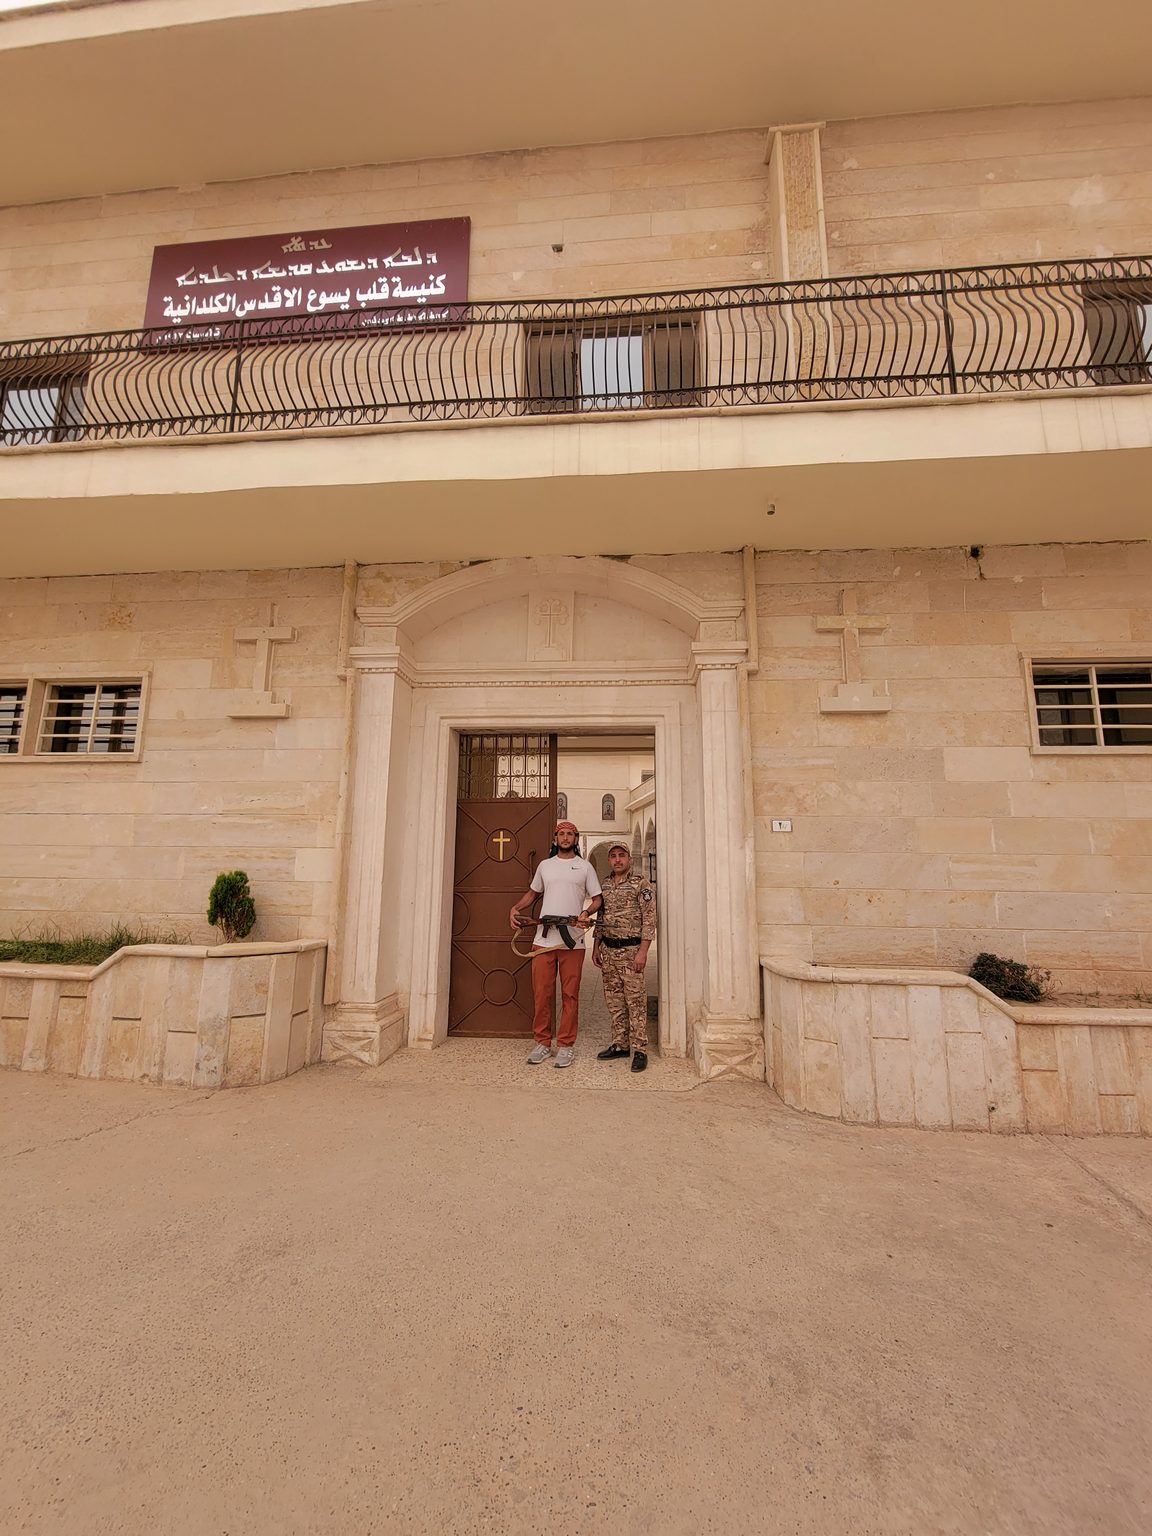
929,832
945,188
920,835
97,842
974,188
874,701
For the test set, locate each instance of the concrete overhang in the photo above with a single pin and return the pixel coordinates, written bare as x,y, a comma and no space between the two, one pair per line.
106,97
1070,467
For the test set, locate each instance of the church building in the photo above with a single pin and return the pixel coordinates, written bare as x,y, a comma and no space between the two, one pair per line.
412,414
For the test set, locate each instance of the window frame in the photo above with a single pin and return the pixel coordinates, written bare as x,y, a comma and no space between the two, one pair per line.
37,685
65,427
12,684
1118,327
563,342
1076,656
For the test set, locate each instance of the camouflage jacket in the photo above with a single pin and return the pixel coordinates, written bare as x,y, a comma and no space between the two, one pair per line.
629,908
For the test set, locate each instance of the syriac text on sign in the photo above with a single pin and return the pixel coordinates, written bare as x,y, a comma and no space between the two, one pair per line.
401,272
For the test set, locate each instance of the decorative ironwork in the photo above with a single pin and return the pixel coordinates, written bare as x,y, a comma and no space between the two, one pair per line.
979,330
505,767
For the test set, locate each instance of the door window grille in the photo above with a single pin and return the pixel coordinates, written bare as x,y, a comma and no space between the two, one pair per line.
95,719
505,767
1093,704
12,701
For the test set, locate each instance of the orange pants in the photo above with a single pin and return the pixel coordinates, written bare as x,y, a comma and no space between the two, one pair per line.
545,965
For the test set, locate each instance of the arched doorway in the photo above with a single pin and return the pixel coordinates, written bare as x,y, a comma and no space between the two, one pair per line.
537,644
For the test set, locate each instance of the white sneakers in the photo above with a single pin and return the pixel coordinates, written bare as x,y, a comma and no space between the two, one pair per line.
565,1056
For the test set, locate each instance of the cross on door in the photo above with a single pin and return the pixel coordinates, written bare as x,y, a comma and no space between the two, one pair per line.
502,841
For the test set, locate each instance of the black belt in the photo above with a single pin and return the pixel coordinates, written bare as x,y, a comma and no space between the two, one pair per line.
619,943
561,926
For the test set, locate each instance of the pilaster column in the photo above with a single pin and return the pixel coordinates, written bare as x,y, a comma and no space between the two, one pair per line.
730,1038
796,202
369,1021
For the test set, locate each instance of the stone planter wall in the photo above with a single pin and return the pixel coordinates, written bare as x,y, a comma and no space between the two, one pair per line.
219,1017
935,1049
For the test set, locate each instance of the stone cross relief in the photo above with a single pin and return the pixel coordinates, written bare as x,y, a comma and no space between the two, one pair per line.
262,703
550,626
854,695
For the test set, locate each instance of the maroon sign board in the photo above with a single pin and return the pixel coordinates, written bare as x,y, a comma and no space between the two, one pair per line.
401,273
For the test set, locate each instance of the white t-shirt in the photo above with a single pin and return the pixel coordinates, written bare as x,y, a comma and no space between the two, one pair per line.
564,884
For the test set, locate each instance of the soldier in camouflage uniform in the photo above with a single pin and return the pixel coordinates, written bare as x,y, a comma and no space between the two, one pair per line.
625,927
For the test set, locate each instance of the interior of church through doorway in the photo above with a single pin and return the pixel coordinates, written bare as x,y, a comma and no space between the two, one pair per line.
512,788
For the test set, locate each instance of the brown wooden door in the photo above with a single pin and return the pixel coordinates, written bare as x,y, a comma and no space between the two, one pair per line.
505,815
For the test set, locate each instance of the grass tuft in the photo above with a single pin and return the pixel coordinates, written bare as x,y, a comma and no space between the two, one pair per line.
50,947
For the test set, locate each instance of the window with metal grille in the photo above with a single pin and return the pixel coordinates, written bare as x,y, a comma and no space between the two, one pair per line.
41,408
1118,324
505,767
1093,704
626,365
12,702
93,719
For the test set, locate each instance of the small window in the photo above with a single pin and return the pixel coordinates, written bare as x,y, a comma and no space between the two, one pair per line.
632,364
90,719
1093,704
41,409
608,808
12,702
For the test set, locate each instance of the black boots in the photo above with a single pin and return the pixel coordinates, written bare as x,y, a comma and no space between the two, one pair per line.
620,1053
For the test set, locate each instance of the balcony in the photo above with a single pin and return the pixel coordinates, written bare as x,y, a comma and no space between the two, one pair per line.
1008,400
971,331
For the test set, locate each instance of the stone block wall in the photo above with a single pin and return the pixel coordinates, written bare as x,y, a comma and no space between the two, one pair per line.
222,1017
933,1049
632,217
926,834
997,184
88,843
946,188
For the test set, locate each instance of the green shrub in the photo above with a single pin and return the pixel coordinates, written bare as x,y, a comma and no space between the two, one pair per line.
230,906
49,946
1010,979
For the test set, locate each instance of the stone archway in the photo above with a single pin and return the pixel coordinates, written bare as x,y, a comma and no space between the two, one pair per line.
536,644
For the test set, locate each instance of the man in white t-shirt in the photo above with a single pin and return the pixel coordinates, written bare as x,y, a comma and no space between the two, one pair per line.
565,881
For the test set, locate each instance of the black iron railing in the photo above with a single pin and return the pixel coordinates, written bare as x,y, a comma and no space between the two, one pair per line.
1045,326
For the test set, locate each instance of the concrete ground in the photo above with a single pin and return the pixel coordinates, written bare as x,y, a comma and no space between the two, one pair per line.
456,1294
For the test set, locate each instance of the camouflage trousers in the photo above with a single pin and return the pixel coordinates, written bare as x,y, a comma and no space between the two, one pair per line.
626,994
